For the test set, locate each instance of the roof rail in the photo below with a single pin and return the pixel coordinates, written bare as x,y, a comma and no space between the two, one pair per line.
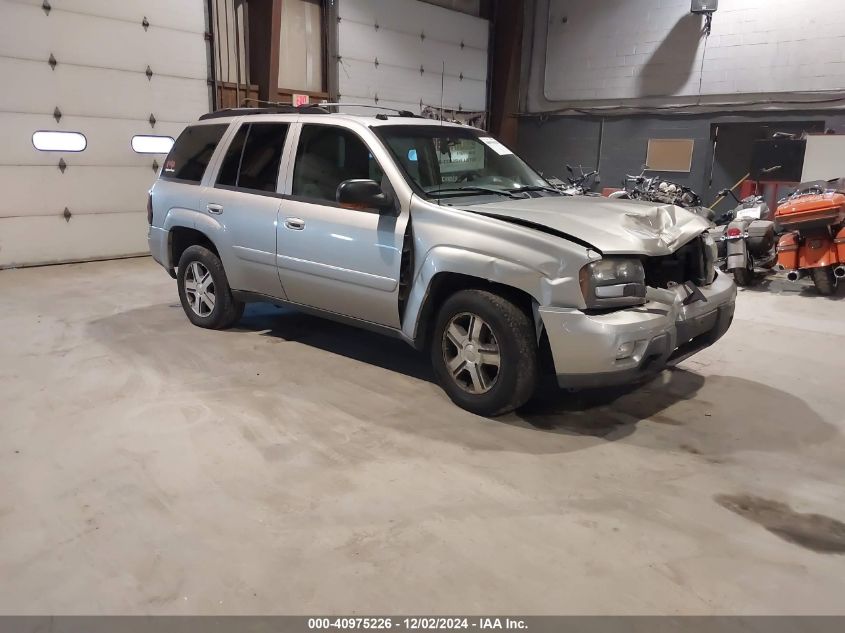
401,113
279,109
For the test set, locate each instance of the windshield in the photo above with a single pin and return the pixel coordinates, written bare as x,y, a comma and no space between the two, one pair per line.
448,161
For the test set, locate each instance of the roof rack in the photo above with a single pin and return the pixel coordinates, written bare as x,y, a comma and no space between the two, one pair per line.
277,109
401,113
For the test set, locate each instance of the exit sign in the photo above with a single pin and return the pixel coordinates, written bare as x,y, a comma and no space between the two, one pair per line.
300,100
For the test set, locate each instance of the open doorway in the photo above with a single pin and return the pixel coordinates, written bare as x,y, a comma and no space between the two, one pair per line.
733,154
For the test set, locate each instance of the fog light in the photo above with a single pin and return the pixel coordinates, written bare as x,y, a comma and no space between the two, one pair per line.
625,350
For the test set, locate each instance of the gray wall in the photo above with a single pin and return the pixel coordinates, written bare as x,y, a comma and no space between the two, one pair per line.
549,143
585,62
639,55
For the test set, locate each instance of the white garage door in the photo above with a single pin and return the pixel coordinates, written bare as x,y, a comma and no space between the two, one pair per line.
392,54
82,66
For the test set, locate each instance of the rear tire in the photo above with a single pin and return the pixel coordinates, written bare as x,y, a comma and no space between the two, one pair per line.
484,352
204,290
743,277
824,279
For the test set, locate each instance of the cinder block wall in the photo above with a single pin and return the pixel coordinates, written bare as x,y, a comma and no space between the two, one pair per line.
611,58
628,49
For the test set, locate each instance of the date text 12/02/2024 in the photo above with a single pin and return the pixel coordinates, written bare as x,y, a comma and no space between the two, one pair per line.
416,623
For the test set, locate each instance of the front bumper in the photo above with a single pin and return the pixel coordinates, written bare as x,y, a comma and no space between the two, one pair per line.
661,332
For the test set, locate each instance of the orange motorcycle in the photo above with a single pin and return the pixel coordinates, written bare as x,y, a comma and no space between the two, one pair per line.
813,221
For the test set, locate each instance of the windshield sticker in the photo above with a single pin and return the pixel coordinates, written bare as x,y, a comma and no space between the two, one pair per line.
459,156
495,145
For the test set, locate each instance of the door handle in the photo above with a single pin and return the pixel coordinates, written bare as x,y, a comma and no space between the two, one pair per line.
295,224
217,209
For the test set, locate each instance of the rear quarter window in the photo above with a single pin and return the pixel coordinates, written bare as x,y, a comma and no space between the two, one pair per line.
192,152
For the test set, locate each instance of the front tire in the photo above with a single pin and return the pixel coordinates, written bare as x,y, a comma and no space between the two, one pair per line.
484,352
204,290
824,279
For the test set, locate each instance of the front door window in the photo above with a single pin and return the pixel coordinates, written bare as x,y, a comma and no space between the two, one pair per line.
328,155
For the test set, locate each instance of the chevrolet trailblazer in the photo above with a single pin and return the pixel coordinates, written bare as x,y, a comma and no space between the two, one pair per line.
440,235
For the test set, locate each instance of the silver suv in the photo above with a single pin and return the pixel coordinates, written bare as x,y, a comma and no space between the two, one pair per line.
437,234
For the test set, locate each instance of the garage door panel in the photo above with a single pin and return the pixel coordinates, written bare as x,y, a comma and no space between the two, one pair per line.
101,89
73,38
100,92
34,190
411,35
47,240
365,82
109,140
410,52
414,17
187,15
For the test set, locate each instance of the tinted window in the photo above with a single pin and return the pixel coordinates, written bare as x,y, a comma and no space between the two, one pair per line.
232,161
192,152
261,157
326,157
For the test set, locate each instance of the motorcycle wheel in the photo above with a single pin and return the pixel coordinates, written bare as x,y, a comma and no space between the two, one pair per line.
744,277
824,279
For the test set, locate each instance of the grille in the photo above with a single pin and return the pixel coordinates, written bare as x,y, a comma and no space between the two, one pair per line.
693,262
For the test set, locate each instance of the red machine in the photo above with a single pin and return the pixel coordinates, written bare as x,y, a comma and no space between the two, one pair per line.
814,243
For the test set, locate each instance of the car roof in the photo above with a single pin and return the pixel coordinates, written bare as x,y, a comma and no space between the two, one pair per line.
267,114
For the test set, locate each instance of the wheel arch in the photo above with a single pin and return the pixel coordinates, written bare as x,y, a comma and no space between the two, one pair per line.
445,273
180,238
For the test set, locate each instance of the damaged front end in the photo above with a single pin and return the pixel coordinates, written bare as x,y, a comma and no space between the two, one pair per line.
611,227
667,308
619,281
693,262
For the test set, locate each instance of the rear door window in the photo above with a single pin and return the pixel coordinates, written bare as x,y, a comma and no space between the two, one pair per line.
192,152
228,175
253,157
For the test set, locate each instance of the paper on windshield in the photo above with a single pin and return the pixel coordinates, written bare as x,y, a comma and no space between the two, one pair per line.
495,145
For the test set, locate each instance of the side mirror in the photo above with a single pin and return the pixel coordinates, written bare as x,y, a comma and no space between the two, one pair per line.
569,169
363,194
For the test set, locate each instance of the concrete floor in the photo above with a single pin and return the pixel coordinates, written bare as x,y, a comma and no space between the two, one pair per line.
299,466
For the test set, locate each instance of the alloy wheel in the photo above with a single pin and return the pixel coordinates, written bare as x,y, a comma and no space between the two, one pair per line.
471,353
199,289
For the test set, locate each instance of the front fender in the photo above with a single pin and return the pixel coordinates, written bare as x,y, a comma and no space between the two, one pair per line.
450,259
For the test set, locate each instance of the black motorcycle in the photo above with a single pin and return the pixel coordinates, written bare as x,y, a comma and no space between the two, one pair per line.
660,190
657,189
577,185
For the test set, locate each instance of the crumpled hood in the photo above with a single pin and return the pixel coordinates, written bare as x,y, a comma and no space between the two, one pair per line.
612,226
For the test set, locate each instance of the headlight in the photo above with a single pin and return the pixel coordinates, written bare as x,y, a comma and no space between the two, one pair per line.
613,283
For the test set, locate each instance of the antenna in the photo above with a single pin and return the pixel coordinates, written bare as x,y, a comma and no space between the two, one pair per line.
442,88
442,91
